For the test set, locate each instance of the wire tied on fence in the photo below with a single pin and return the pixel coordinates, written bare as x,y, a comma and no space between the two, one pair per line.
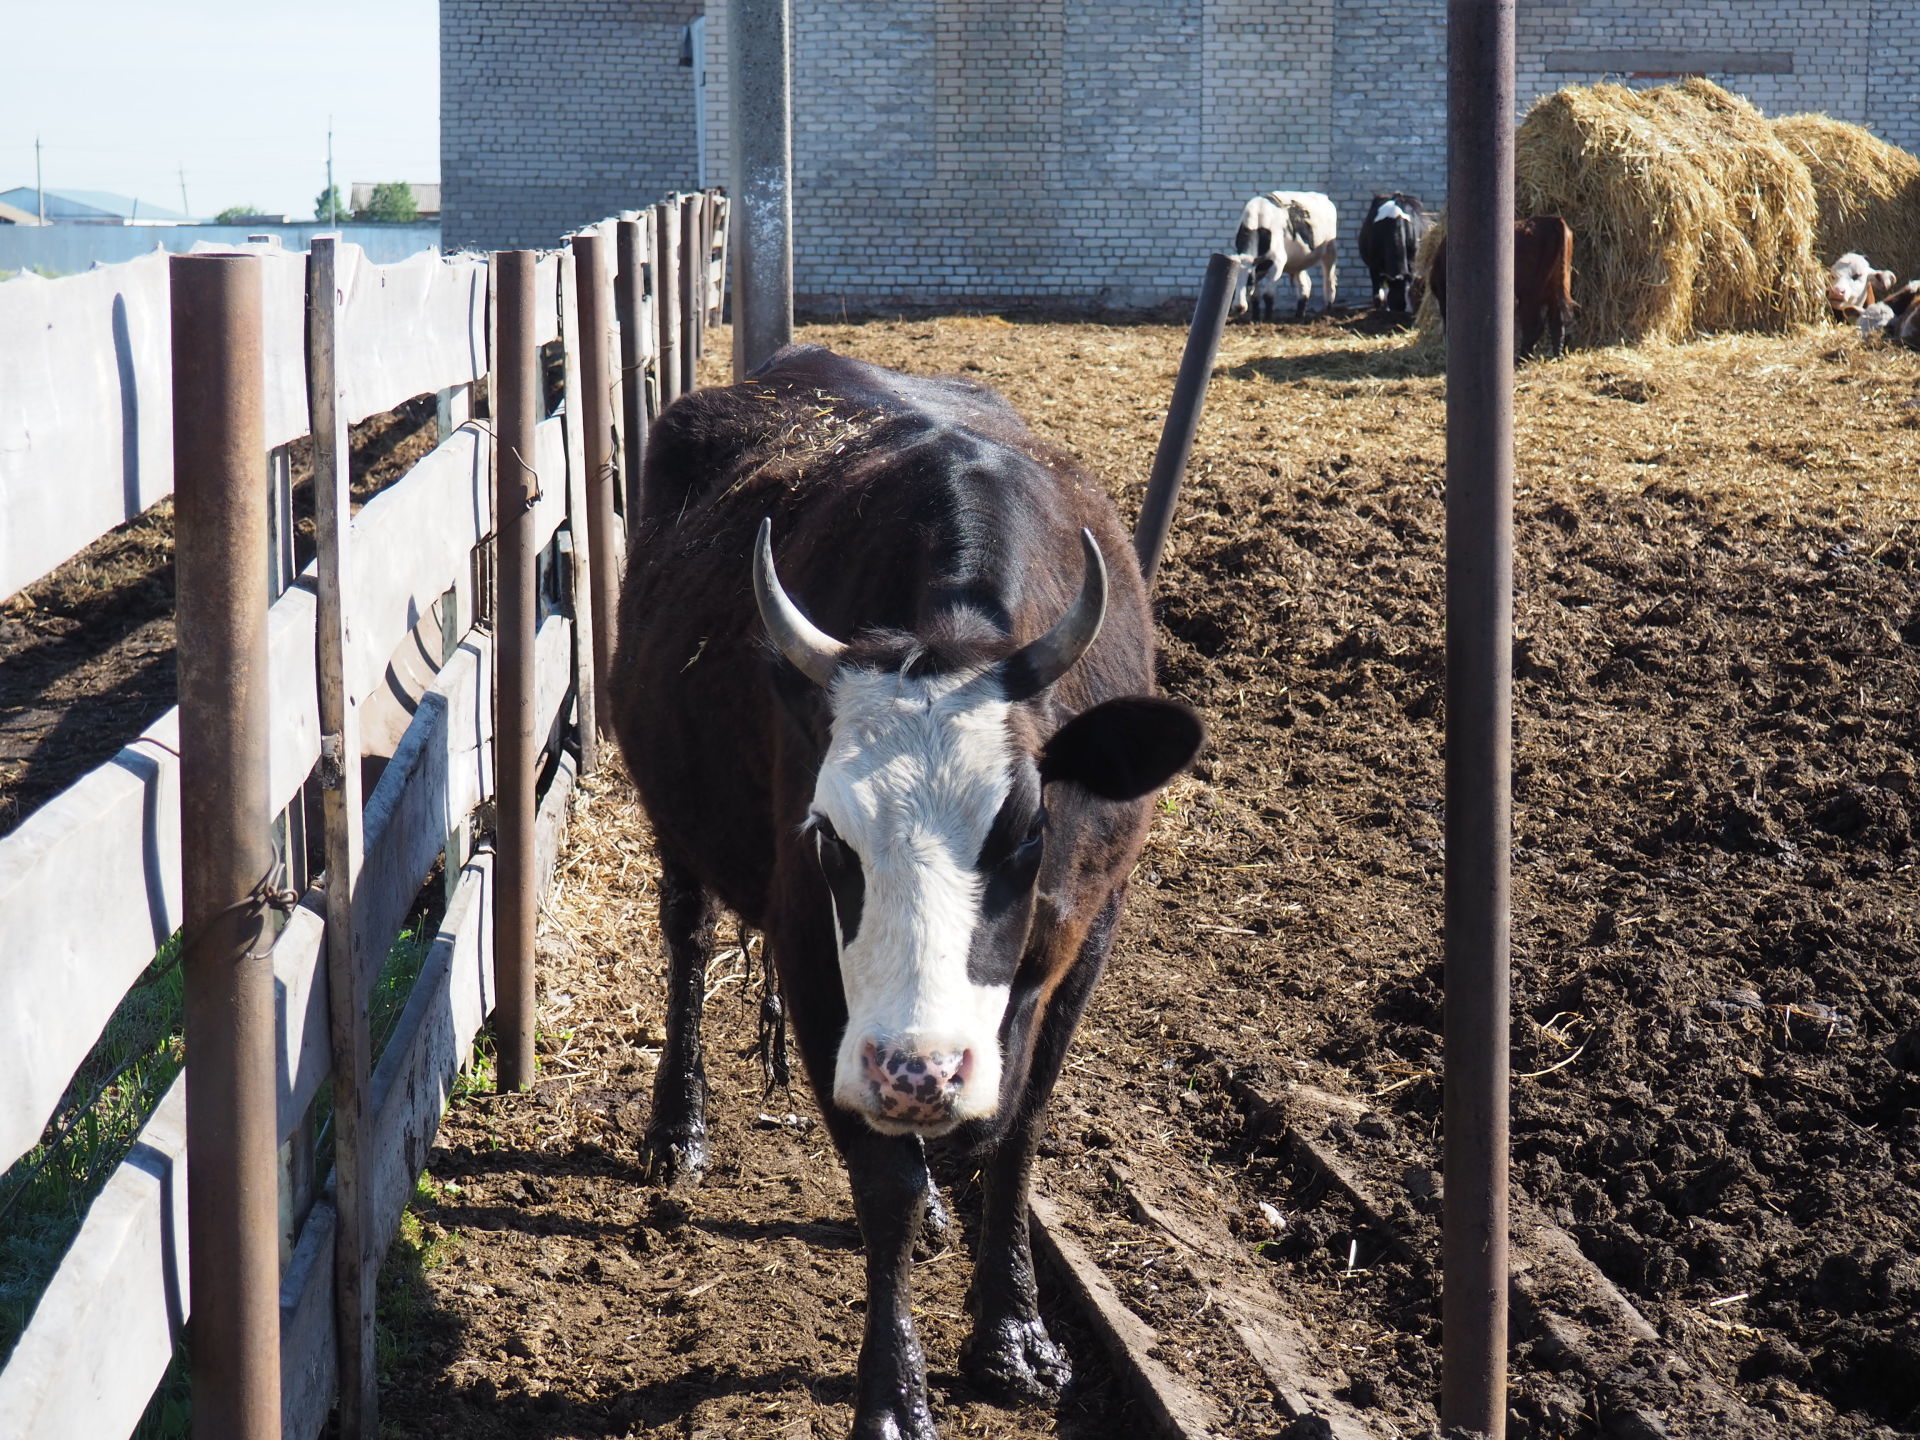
264,896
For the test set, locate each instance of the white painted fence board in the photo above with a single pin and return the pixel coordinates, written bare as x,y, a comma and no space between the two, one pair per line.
89,890
86,430
411,543
409,328
103,1333
550,474
309,1364
546,290
90,884
301,1020
101,1337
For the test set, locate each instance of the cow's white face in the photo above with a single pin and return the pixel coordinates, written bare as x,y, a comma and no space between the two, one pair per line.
1851,278
919,776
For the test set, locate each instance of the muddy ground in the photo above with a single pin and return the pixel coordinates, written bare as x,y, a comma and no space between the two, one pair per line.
1716,1032
1717,1029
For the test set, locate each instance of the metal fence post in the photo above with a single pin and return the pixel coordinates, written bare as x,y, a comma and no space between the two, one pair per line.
220,559
596,418
759,94
1183,415
1480,121
514,389
629,288
347,971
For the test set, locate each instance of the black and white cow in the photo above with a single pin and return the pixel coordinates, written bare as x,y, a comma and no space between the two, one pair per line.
1283,233
1389,239
917,753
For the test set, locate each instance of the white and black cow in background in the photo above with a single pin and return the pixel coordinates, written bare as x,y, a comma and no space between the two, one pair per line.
1389,239
919,759
1284,232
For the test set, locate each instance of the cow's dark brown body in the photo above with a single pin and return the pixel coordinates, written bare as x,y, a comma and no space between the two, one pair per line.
924,523
1542,281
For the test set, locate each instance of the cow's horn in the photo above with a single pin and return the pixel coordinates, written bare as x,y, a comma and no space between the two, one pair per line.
1033,668
814,653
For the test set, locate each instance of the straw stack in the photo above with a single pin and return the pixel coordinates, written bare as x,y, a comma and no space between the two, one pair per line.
1868,192
1688,214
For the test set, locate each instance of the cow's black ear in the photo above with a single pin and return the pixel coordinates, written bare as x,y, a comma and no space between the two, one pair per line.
1123,749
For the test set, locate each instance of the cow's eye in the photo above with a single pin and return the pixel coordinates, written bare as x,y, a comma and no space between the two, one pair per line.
1029,848
827,842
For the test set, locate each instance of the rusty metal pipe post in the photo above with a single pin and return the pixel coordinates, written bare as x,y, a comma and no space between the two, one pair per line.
220,563
515,390
596,423
1480,120
693,269
629,287
666,297
1183,414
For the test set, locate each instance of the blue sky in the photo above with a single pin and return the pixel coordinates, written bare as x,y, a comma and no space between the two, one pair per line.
124,93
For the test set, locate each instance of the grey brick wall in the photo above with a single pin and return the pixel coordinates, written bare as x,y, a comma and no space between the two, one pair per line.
1066,149
555,113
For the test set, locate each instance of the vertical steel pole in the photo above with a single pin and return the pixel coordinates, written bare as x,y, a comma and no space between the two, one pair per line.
1183,414
589,258
629,288
220,563
666,297
1480,91
348,977
515,389
760,99
693,310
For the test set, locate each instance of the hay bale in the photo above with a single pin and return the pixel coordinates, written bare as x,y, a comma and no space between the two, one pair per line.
1689,215
1868,191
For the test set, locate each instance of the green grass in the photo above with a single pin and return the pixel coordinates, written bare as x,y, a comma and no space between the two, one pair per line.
404,1308
45,1194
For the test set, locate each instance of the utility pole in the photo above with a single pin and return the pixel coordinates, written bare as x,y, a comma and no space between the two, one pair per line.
333,200
39,185
185,209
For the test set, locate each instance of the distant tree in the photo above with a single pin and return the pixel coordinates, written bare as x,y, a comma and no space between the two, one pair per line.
233,214
391,203
331,206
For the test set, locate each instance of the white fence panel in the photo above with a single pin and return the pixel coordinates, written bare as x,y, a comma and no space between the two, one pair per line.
410,328
86,410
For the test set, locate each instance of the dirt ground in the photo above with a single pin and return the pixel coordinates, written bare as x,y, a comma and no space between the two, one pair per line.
86,654
1716,1034
1716,1028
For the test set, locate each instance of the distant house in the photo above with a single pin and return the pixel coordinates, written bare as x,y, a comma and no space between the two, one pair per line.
91,207
426,198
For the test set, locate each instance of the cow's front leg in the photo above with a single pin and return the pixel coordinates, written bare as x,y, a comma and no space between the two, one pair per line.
676,1144
1303,291
891,1194
1009,1352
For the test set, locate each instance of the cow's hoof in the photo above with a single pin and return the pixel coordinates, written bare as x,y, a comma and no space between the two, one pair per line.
908,1420
1016,1360
676,1155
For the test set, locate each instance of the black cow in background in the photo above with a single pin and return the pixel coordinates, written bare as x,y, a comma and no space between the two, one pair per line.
924,775
1389,239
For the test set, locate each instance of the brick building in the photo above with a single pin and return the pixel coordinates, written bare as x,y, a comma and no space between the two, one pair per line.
1086,150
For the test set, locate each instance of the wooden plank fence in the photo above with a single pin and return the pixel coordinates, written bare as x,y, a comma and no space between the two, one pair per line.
90,883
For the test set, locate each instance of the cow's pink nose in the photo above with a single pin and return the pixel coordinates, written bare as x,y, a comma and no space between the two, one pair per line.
914,1087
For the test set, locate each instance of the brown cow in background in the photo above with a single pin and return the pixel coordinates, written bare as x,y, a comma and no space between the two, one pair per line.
1542,281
